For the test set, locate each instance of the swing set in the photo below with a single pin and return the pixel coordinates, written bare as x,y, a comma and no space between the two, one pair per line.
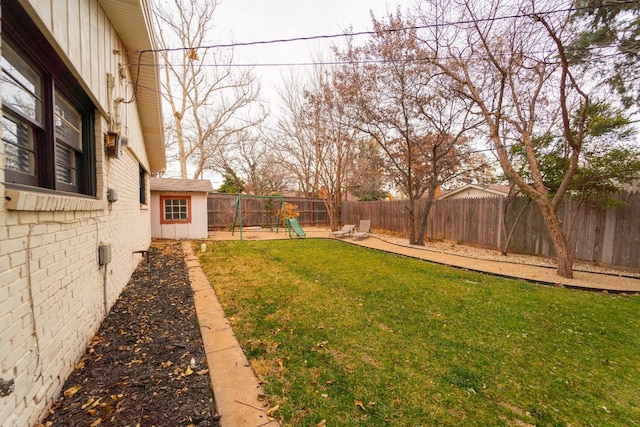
275,209
271,206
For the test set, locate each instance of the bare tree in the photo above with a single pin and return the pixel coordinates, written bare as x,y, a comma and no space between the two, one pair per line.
291,142
319,142
206,95
254,167
516,73
371,180
401,102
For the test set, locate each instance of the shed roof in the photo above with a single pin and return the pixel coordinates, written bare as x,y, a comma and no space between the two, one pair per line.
180,185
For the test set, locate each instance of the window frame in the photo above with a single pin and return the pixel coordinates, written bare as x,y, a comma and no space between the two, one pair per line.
56,81
164,220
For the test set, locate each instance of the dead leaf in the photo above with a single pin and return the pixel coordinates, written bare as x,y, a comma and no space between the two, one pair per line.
193,55
96,422
261,397
71,391
324,395
188,371
166,364
134,361
322,423
359,404
272,411
203,372
89,402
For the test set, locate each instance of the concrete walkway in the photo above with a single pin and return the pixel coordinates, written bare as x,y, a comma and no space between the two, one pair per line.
236,389
532,273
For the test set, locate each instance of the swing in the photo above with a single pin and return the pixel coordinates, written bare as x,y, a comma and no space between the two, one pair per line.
268,205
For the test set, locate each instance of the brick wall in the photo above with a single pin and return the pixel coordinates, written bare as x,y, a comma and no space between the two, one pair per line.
52,290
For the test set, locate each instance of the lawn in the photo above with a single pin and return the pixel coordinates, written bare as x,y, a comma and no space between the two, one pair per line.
358,337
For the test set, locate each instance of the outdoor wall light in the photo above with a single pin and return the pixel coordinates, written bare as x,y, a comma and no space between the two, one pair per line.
112,144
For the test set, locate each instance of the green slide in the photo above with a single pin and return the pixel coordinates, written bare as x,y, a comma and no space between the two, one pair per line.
295,225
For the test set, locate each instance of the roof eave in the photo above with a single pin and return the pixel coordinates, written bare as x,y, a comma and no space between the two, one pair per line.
131,19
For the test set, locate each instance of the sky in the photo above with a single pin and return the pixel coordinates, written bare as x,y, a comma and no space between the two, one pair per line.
257,20
241,21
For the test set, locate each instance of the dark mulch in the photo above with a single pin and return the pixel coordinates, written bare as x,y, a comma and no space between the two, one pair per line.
138,369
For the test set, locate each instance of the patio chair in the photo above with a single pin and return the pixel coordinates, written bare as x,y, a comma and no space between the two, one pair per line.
344,231
363,229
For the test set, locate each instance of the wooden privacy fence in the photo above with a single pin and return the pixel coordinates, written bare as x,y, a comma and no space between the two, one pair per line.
221,210
604,236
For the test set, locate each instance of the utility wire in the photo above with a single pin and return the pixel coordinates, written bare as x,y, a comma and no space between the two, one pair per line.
386,30
338,63
344,35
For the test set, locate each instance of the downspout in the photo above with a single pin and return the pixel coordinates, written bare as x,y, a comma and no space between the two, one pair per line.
104,286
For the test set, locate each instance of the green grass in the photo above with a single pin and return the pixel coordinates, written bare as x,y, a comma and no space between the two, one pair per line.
327,325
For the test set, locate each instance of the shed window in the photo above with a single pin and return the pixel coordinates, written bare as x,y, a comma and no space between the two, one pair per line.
176,209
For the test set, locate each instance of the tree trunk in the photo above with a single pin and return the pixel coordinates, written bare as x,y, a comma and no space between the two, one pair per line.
336,211
564,255
182,151
332,212
423,217
412,223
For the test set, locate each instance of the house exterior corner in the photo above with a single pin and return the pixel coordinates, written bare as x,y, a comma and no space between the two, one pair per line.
75,161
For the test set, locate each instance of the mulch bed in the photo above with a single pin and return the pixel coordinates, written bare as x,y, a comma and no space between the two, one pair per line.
146,365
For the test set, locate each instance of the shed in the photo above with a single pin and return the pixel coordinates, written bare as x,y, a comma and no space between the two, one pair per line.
179,208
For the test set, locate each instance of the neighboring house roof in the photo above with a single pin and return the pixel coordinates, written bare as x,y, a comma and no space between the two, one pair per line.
493,190
180,185
133,23
632,188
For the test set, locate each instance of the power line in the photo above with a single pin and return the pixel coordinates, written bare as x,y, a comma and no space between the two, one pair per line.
386,30
339,63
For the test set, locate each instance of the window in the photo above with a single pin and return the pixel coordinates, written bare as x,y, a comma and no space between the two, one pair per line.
175,209
143,184
68,141
22,115
47,119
